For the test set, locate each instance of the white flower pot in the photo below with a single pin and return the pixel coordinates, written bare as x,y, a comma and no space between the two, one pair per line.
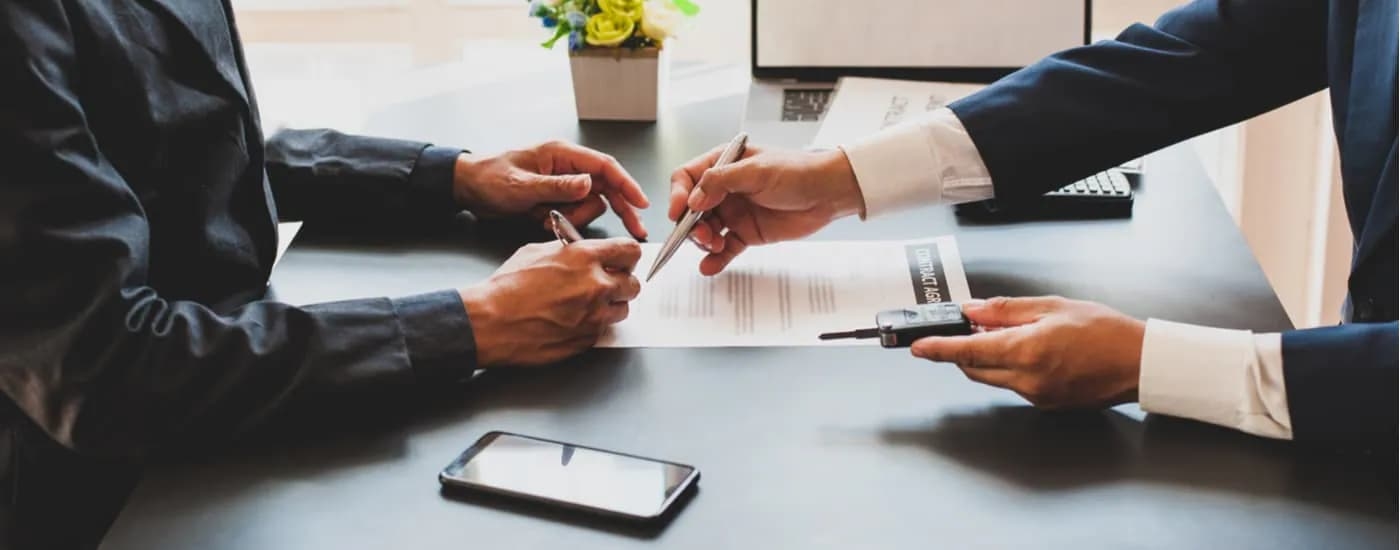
618,83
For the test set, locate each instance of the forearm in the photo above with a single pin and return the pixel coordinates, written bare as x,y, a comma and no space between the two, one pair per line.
132,374
1342,383
1321,385
928,160
1082,110
1202,66
1231,378
323,176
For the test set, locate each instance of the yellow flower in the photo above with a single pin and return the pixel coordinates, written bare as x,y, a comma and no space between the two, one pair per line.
609,29
660,20
631,9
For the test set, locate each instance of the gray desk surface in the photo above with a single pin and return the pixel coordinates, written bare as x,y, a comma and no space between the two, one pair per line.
799,448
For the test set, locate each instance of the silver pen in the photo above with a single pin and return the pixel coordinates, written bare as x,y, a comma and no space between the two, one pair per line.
564,230
688,219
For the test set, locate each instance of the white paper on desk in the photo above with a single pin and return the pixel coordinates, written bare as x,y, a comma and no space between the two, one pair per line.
286,233
864,106
787,294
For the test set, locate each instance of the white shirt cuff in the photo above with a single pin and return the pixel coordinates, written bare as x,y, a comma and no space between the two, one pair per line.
923,161
1231,378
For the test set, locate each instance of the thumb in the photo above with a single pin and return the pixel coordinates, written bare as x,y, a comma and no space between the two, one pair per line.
1008,312
563,188
717,183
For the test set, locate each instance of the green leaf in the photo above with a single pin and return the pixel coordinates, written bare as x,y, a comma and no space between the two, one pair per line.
687,7
559,32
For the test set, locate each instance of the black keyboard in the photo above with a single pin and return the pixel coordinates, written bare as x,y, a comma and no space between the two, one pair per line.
1106,184
805,105
1102,195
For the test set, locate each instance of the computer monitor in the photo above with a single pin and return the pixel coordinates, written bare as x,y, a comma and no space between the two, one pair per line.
952,40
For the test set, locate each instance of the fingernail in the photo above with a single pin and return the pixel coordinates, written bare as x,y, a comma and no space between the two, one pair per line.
974,304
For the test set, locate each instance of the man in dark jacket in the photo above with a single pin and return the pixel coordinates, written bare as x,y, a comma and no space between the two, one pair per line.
138,210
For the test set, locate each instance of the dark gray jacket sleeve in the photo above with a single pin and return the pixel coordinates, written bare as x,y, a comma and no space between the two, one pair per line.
324,176
100,359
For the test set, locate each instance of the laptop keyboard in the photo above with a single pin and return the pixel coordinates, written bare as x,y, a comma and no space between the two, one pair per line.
804,105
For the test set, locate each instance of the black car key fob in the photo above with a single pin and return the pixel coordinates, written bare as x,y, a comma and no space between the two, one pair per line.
898,328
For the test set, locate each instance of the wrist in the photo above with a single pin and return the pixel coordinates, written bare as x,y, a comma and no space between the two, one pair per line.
1135,331
482,311
464,178
437,335
840,178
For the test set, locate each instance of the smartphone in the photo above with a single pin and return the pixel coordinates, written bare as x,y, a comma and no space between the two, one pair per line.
573,476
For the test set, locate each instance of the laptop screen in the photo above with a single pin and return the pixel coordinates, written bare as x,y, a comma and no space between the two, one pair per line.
860,37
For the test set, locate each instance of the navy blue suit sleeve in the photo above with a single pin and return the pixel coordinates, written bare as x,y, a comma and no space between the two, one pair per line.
1341,383
322,176
1203,66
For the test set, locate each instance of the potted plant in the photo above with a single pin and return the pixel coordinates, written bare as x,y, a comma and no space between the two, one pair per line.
616,51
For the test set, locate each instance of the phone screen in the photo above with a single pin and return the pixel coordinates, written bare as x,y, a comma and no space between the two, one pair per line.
564,473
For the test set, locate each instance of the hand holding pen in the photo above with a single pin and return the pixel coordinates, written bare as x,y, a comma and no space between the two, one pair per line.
589,284
765,196
687,219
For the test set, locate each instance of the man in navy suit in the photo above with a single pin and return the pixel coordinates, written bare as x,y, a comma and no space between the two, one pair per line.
1204,65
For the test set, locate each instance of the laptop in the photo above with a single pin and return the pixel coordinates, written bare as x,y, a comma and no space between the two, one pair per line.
800,48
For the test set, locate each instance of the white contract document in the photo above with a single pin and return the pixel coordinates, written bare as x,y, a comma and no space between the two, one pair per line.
787,294
864,106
